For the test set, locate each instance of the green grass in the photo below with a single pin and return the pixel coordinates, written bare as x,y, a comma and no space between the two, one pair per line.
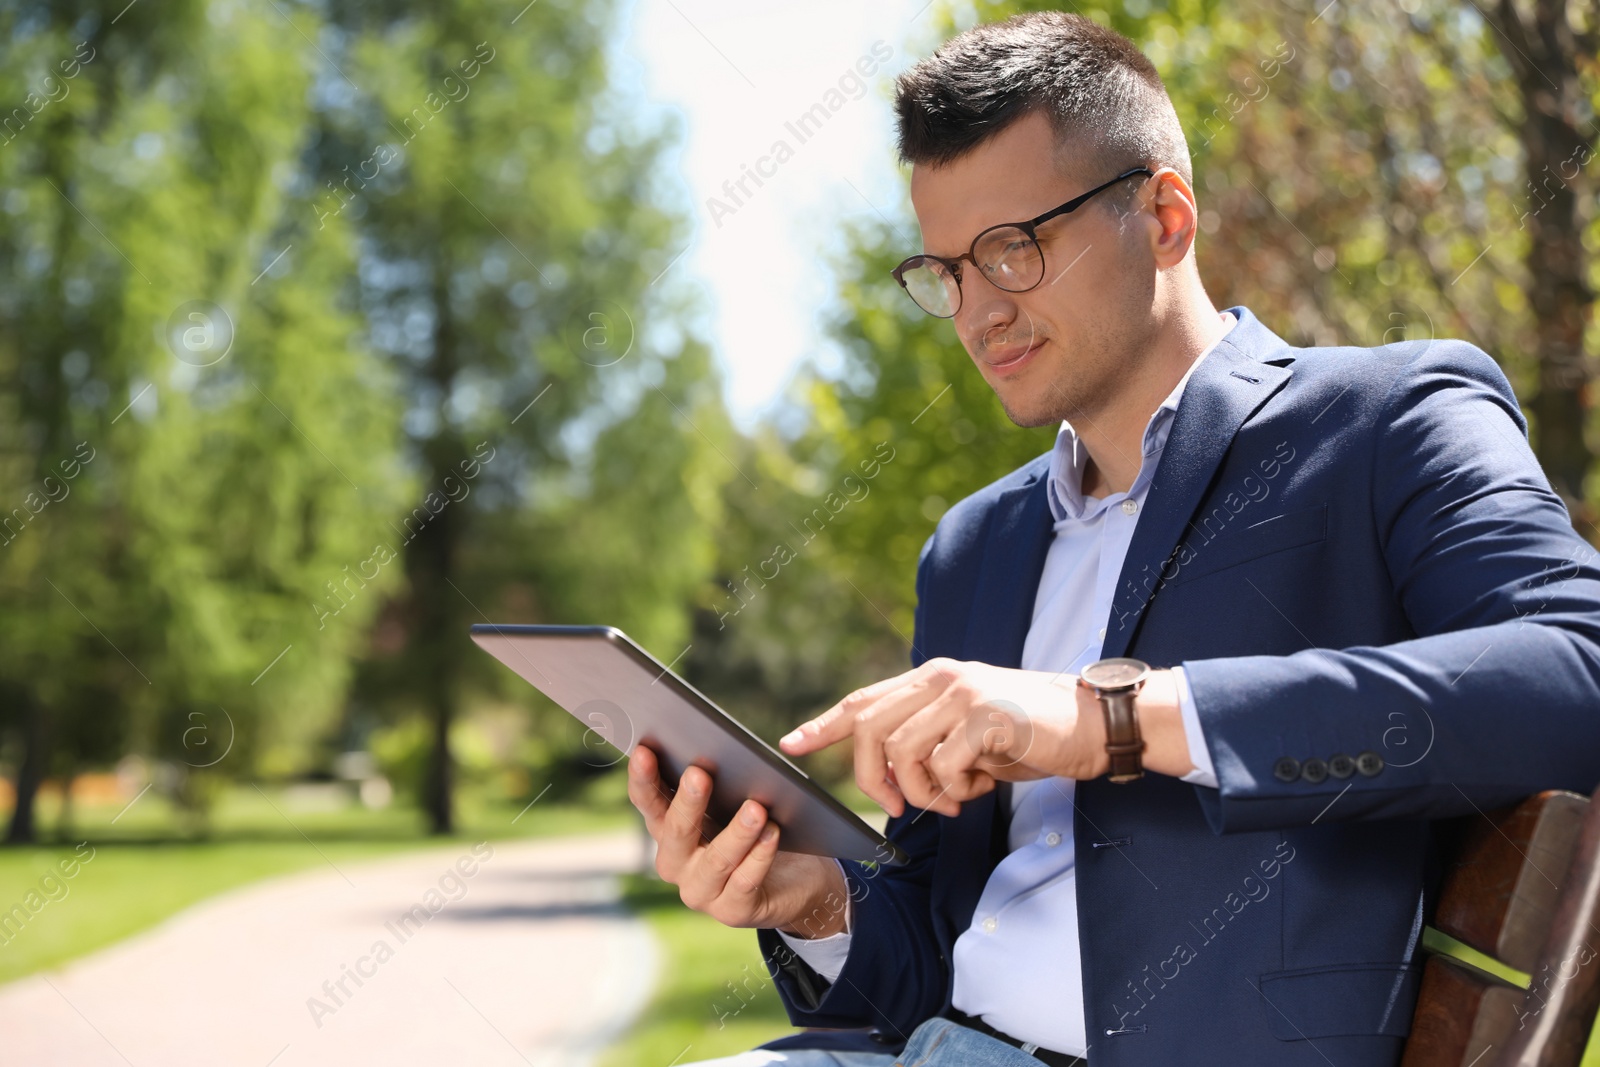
713,997
143,871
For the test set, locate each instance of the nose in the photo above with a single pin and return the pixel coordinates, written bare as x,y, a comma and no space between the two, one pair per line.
987,314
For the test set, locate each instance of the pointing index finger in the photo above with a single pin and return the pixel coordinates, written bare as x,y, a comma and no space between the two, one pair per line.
831,726
839,721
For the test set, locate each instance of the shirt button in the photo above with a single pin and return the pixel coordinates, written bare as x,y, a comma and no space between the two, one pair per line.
1130,506
1102,633
1052,839
989,924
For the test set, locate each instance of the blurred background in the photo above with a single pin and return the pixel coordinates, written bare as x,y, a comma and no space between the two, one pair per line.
328,329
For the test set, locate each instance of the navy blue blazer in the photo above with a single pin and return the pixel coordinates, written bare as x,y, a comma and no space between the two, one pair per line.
1386,619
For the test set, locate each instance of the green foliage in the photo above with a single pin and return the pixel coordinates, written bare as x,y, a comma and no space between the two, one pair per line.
220,488
508,277
453,390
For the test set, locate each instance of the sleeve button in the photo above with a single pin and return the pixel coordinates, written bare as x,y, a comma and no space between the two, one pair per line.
1341,766
1314,770
1369,763
1286,769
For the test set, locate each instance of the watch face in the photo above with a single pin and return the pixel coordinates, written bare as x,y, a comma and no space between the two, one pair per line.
1115,673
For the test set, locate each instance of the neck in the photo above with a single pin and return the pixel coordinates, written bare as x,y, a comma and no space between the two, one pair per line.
1114,439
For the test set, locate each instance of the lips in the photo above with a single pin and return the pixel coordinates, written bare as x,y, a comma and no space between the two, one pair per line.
1013,357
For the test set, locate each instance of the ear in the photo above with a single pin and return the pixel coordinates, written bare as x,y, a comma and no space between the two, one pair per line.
1172,214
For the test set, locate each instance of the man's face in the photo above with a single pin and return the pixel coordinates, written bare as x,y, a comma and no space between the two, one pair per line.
1060,350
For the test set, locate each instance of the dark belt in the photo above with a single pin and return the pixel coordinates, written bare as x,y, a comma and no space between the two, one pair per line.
1043,1055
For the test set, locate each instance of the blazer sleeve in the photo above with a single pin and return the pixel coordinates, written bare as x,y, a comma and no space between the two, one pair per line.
894,976
1496,698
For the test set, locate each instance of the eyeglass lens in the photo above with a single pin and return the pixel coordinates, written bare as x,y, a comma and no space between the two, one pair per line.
1009,258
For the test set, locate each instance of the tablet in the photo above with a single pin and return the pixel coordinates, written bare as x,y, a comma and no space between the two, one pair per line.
627,698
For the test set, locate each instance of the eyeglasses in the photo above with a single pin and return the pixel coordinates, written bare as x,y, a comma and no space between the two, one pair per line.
1008,254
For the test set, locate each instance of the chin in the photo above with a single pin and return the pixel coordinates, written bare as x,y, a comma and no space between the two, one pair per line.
1045,404
1034,411
1035,396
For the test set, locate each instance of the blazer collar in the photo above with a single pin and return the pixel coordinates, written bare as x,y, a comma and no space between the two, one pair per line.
1227,388
1247,366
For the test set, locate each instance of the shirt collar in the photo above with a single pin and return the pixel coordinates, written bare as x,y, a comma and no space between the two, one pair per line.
1069,456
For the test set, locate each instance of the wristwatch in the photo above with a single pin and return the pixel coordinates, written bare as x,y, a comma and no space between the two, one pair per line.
1116,681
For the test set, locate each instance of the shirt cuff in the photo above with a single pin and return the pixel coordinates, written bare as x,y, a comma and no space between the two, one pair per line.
1204,772
826,955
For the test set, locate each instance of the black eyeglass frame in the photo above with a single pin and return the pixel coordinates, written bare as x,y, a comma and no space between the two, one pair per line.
1029,227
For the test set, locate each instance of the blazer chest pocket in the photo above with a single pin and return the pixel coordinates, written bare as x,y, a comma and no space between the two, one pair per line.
1235,545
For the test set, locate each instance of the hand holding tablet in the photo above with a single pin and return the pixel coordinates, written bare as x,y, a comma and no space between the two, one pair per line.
739,877
626,697
745,834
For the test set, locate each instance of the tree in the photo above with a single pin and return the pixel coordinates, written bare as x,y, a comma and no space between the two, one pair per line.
195,449
1554,52
563,435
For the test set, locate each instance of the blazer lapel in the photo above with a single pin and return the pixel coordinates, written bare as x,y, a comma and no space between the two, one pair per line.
1008,577
1224,390
1002,610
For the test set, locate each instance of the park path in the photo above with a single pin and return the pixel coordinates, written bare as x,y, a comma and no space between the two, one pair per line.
529,961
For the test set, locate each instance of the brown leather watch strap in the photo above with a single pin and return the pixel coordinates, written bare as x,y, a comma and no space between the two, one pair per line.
1116,681
1123,743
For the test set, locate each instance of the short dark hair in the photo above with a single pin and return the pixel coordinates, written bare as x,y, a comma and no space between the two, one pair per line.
1095,86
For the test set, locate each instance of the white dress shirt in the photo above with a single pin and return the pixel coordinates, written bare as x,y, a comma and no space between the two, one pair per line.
1018,966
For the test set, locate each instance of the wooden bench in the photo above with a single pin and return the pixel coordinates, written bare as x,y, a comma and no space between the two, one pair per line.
1522,887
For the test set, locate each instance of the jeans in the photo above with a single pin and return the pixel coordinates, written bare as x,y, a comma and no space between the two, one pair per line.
938,1042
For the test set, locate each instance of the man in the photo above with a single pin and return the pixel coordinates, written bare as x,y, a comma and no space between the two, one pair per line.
1354,600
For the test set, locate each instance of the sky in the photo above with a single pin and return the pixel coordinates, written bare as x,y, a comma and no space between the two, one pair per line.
741,73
